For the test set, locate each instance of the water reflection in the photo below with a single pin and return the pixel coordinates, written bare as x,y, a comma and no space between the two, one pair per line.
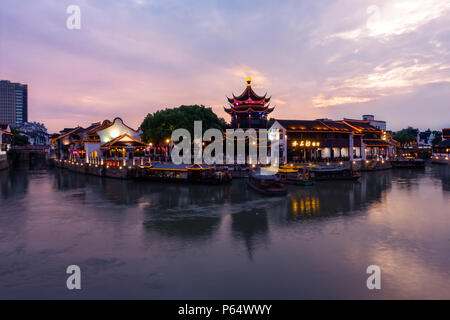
157,230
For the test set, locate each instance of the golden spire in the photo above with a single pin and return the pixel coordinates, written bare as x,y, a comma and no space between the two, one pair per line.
249,82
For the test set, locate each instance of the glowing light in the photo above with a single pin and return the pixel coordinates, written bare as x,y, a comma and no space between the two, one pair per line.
115,134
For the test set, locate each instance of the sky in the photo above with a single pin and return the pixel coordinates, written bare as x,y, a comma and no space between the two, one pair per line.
317,59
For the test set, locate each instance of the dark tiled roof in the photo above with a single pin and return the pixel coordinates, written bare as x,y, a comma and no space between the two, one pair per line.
305,125
3,126
337,125
361,125
376,143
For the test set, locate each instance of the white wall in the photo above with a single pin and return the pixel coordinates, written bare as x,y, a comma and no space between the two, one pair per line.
117,129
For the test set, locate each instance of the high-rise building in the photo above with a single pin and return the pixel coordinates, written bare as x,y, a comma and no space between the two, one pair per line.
13,103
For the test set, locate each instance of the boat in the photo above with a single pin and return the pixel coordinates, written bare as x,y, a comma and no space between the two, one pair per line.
195,173
293,176
269,185
323,173
407,163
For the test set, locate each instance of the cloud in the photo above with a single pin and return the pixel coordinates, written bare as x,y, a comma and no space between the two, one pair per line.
394,18
399,77
137,56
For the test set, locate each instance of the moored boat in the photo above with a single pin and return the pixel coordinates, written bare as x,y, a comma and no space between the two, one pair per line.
269,185
407,163
195,173
323,173
294,176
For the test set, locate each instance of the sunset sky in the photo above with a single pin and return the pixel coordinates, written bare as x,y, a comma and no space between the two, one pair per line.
317,59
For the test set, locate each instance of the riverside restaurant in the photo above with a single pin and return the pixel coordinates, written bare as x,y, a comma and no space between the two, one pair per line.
325,140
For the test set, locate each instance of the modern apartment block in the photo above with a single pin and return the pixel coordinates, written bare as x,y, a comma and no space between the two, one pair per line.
13,103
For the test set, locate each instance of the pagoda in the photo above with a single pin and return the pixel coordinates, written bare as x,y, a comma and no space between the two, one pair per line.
249,110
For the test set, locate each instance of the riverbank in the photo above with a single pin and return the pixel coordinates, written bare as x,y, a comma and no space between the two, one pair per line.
122,172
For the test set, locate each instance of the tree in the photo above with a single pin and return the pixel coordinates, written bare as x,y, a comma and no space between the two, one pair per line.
158,127
437,138
19,139
406,136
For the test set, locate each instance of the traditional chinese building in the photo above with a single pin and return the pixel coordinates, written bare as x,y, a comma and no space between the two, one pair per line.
112,140
328,140
249,110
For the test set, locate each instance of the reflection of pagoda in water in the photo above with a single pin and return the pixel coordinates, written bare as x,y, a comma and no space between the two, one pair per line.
249,110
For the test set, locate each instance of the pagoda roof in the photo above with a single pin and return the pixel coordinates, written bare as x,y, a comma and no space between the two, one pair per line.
249,96
249,108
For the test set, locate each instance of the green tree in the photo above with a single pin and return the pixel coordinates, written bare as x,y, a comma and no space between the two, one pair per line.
405,136
158,126
437,138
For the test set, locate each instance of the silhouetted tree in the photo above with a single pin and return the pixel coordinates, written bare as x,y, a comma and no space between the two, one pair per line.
159,126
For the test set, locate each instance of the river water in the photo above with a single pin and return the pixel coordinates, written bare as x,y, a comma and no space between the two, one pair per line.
146,240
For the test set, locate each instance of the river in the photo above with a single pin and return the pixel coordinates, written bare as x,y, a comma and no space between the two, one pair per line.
148,240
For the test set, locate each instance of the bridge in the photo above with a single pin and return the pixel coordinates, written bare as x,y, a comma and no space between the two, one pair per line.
30,154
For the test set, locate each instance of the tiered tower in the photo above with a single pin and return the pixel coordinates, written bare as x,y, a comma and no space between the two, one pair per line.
249,110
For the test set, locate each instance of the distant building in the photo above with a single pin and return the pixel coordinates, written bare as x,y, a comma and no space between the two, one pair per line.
35,132
13,103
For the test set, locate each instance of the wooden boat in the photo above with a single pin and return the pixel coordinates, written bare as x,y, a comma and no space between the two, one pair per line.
184,173
293,176
269,185
408,163
323,173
